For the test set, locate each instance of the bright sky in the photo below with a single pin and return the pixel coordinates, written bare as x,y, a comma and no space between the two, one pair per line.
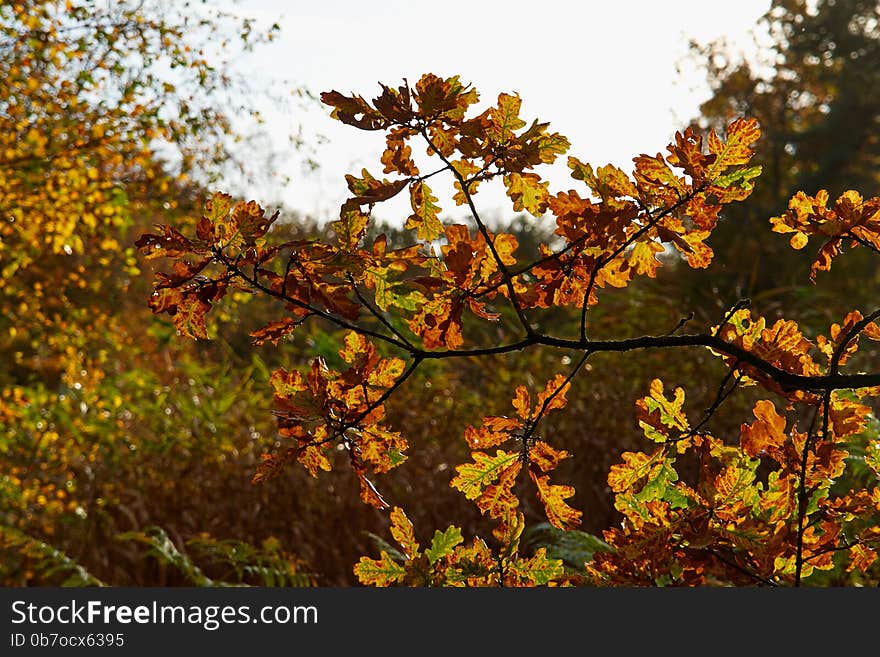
602,73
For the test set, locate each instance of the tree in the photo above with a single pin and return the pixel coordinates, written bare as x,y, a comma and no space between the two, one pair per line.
111,116
777,504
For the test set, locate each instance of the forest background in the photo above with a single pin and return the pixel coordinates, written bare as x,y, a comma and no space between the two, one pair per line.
127,454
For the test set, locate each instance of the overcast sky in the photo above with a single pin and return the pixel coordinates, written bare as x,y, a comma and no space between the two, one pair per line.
602,73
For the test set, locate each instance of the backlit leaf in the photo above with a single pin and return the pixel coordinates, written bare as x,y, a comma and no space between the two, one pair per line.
528,192
657,415
424,219
504,118
472,478
443,543
402,531
498,499
545,456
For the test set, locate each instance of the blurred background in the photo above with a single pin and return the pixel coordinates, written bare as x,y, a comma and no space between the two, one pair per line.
127,452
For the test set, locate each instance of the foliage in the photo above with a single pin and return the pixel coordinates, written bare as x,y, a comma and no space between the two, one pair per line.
111,115
264,566
697,508
812,87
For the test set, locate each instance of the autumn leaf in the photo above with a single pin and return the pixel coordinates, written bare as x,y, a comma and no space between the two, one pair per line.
657,415
465,169
537,570
443,544
643,258
368,493
218,214
473,478
767,434
313,459
379,572
522,404
498,499
251,221
493,431
368,190
381,448
861,557
448,98
169,243
608,182
528,192
779,500
354,111
402,531
504,118
350,226
636,466
733,484
545,456
655,176
509,530
397,157
686,152
424,218
189,308
737,185
274,331
391,293
736,149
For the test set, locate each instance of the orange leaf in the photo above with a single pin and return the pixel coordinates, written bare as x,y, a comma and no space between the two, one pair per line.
741,134
354,110
553,394
472,478
553,497
494,431
402,531
635,466
504,118
642,258
369,494
313,459
522,403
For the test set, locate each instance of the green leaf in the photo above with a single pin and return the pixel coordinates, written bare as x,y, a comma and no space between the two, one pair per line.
396,294
443,543
740,177
657,487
